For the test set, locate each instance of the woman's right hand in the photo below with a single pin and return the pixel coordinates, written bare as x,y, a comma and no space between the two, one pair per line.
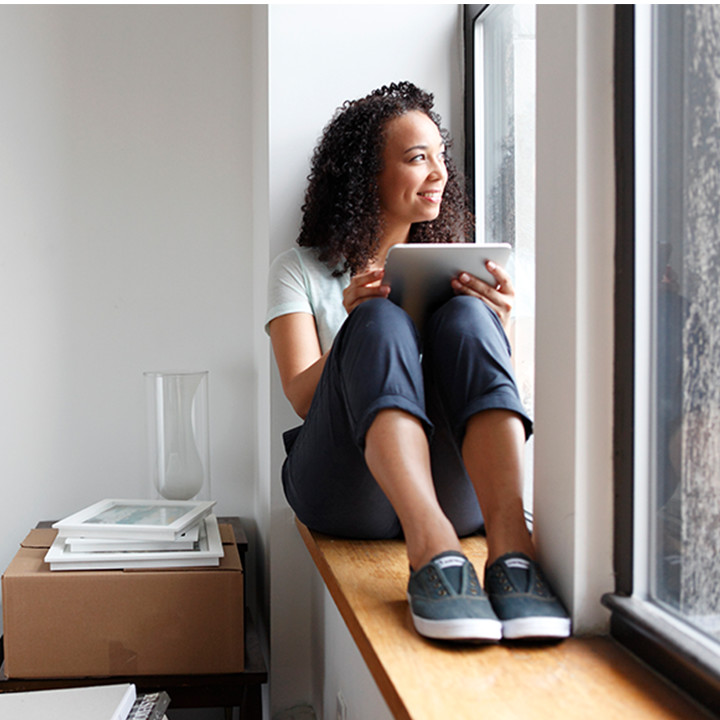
364,286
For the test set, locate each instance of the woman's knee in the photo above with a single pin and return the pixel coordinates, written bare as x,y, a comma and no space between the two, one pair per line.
466,317
464,311
383,318
376,353
380,310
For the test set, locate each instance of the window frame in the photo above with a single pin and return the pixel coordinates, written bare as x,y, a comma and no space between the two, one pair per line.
668,645
475,185
470,15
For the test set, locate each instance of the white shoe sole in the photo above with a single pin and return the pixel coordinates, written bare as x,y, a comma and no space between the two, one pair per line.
536,627
459,629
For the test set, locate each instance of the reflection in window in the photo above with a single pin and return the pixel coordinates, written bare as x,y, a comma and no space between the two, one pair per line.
504,61
685,515
505,158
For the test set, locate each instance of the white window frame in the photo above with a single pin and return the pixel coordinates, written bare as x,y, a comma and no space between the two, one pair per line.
573,495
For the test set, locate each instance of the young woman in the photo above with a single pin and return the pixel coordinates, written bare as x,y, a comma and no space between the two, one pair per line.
399,438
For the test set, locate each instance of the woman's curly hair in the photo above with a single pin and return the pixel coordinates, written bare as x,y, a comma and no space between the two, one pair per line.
341,213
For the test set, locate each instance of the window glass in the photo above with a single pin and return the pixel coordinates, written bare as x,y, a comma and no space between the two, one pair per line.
504,133
505,162
685,470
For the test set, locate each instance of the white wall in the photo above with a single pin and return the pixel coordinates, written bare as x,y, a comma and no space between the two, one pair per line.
260,111
340,668
320,56
125,246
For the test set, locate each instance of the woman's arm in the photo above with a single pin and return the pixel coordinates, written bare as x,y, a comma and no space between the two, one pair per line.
299,358
296,345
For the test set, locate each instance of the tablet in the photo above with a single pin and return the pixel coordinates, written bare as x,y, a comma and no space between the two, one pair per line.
419,274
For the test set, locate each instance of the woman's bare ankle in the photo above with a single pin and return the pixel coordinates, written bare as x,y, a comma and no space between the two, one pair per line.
521,543
424,546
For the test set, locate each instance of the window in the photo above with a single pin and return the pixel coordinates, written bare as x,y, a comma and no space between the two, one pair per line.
685,300
667,606
500,159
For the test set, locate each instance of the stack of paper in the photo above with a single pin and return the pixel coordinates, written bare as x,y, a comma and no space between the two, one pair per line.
118,534
102,702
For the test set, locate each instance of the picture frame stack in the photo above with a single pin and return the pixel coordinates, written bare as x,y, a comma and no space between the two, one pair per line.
131,534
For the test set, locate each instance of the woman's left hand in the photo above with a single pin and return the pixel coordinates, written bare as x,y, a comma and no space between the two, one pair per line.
500,298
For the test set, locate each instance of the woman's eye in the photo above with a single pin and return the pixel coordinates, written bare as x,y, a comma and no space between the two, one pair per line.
418,158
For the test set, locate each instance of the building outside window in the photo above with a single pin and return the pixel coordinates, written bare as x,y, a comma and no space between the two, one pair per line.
668,549
684,572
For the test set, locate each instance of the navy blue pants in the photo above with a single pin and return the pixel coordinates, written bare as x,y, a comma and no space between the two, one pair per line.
377,362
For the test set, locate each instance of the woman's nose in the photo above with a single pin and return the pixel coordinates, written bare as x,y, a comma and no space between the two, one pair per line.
438,170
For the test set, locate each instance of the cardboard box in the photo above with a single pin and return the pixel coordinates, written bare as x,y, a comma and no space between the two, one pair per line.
114,623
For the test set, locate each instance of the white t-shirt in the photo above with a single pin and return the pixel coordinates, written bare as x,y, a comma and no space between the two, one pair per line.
299,282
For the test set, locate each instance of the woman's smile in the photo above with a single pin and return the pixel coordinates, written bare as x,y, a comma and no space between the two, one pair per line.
434,196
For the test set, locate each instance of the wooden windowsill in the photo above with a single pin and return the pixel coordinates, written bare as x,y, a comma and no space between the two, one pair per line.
587,677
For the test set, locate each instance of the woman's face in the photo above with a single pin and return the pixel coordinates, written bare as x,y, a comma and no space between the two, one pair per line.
414,174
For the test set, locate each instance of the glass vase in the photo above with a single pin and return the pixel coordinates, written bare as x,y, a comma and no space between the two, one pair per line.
178,435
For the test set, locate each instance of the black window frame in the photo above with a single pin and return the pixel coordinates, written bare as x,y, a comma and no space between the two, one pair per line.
470,15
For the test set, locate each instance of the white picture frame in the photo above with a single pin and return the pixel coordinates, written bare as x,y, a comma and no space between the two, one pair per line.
136,519
207,552
185,541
